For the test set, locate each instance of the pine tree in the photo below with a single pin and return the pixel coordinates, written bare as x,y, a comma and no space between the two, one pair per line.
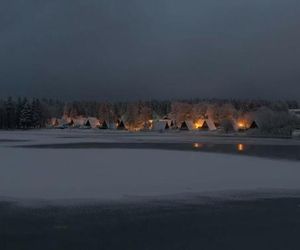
2,118
19,107
10,114
36,113
26,116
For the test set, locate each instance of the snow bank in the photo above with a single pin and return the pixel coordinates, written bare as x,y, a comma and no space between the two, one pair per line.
116,174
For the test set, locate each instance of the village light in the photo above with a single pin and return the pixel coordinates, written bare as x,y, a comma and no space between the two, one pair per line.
240,147
198,124
241,125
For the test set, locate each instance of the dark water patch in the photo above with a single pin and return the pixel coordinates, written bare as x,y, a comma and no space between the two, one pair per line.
285,152
12,140
257,224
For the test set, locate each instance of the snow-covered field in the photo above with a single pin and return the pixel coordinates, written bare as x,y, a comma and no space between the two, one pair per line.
116,174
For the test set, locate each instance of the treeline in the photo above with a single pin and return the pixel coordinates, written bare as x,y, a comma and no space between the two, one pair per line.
26,113
23,113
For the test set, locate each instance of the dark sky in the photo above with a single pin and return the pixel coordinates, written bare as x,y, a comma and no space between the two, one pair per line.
139,49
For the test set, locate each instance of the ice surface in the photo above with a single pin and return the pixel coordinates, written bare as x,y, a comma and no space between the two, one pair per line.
119,173
45,136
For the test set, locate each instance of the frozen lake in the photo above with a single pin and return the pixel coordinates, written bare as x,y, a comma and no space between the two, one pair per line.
120,166
107,190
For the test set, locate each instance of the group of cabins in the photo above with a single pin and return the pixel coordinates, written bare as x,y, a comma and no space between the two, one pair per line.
153,125
85,123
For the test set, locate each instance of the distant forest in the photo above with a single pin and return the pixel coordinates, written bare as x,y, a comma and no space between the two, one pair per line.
24,113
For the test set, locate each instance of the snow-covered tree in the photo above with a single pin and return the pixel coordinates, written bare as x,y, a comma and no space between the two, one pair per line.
132,115
199,110
145,113
181,111
26,116
275,123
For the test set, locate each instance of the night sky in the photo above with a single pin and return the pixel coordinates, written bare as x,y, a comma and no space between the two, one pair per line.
142,49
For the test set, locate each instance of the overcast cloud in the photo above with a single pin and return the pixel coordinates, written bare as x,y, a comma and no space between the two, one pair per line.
131,49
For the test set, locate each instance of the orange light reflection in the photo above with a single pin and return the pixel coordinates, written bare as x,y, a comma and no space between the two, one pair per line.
197,145
240,147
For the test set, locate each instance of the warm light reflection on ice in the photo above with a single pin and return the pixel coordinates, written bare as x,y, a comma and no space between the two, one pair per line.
197,145
241,147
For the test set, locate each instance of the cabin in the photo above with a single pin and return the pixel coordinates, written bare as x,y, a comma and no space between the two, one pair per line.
79,122
242,126
121,125
92,122
103,125
87,124
61,123
166,120
206,125
160,125
146,126
187,126
172,125
253,125
112,125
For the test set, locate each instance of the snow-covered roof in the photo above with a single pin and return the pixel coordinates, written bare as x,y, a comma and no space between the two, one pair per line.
187,125
169,121
248,124
121,125
62,121
208,124
254,124
79,121
160,125
111,125
94,122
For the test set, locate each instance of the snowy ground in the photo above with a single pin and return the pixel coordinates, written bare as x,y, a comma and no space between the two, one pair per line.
116,174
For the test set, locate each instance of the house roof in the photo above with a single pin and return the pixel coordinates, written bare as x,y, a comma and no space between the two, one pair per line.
159,125
121,125
79,121
94,122
189,125
210,124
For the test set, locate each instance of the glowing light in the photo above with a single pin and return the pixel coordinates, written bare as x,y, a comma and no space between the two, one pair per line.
197,145
241,125
240,147
198,124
